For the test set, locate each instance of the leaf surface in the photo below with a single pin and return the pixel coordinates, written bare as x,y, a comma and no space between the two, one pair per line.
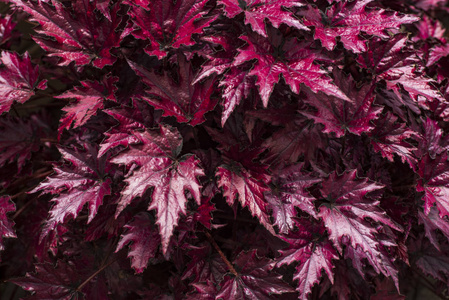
347,20
168,24
18,79
160,168
145,241
82,181
255,280
182,99
76,33
257,11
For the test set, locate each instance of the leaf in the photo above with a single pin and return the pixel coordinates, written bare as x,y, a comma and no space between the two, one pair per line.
394,62
255,281
168,24
186,101
204,265
288,194
338,115
256,11
18,139
6,226
431,223
249,184
138,116
312,250
345,21
344,211
74,33
145,241
296,64
18,79
49,282
82,181
159,167
434,182
431,261
89,98
237,86
389,137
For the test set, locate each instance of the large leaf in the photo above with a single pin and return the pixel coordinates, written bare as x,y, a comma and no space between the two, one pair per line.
389,138
347,20
338,115
288,194
145,241
314,252
18,79
180,98
344,212
82,181
248,184
256,11
395,62
292,59
161,168
74,33
168,24
255,280
89,98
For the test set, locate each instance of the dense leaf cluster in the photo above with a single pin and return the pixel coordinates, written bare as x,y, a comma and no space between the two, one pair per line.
224,149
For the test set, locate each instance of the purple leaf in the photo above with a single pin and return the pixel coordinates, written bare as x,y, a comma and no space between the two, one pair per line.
347,20
18,79
74,33
256,11
82,181
159,167
145,241
168,24
186,101
255,281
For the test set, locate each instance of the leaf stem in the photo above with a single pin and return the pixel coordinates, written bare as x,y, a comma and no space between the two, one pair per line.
223,257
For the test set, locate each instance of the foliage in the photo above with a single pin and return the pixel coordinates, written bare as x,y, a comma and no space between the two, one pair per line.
224,149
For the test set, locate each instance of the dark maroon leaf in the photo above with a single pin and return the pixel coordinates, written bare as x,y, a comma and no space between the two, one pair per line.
255,279
347,20
205,265
434,182
186,101
288,194
82,181
168,24
18,79
145,241
18,139
308,246
89,98
49,282
296,66
248,185
344,211
256,11
160,167
394,62
338,115
74,33
389,137
6,226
